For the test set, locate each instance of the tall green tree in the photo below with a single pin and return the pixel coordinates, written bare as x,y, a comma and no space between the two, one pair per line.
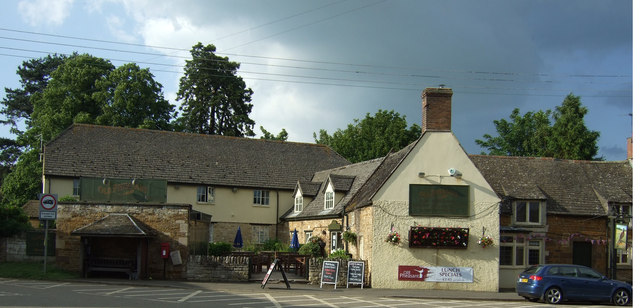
68,97
214,99
130,97
570,136
371,137
559,134
83,89
34,76
282,136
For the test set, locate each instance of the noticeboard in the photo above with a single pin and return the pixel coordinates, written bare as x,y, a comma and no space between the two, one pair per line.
355,273
329,274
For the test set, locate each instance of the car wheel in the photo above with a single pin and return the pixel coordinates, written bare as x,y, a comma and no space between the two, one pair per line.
621,297
553,295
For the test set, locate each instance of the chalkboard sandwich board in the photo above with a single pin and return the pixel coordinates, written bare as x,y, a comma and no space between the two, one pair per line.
329,274
355,273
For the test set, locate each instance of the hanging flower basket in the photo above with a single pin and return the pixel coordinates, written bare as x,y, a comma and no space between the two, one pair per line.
485,241
393,237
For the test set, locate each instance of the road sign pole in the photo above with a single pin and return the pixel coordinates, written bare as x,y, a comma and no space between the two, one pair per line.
46,233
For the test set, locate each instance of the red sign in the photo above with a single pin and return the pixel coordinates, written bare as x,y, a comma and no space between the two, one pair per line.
412,273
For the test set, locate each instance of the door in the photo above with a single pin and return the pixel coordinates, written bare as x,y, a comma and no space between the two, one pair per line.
582,253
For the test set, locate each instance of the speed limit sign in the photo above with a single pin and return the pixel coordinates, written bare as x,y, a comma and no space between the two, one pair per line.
48,206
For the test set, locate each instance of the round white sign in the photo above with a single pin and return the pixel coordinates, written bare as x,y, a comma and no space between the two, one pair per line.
48,202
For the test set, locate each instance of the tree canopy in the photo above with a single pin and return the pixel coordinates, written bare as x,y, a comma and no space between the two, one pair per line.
80,89
559,134
282,136
214,100
371,137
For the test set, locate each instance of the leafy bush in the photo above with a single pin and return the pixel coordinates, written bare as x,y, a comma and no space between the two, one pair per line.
339,254
220,249
12,221
315,247
350,237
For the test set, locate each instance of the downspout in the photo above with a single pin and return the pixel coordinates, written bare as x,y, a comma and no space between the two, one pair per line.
345,227
277,211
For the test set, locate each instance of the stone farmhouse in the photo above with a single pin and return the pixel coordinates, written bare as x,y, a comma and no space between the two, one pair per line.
182,189
535,210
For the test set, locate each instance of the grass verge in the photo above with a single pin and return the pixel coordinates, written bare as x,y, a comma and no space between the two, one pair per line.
26,270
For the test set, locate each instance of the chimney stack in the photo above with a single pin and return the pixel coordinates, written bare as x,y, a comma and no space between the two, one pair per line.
436,109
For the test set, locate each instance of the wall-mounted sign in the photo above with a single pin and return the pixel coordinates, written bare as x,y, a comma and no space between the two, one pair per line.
435,273
621,236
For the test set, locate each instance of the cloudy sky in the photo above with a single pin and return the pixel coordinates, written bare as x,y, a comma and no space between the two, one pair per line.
321,64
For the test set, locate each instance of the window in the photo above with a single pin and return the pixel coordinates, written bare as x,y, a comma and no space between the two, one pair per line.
261,197
528,212
624,255
328,200
336,241
516,251
260,234
76,187
439,200
206,194
298,204
307,236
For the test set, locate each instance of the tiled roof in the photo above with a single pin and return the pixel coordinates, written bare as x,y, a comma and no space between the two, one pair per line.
115,224
115,152
309,189
365,194
568,186
357,174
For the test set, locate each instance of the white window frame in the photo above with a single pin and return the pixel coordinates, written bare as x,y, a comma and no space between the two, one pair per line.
521,249
261,197
260,234
76,188
205,194
299,201
624,256
528,218
307,235
336,241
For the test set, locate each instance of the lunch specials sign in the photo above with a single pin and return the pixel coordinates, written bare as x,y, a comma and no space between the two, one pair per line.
435,273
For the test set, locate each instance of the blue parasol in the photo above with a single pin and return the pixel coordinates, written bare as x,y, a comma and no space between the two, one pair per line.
237,243
294,240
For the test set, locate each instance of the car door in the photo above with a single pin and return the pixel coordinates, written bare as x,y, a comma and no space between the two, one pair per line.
593,284
567,277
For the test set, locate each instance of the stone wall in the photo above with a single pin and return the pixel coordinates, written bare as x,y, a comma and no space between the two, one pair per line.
315,271
169,222
210,268
14,249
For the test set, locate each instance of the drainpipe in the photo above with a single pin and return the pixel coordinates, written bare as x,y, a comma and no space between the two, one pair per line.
277,211
345,227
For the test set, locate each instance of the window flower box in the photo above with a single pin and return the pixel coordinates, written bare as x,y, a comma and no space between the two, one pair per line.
427,237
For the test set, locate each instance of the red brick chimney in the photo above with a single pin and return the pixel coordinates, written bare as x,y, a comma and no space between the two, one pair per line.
436,109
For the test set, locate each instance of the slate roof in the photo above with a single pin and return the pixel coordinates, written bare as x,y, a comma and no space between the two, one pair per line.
116,224
568,186
116,152
347,179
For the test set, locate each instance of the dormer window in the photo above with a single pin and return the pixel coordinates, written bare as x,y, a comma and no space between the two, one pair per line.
329,197
528,212
298,204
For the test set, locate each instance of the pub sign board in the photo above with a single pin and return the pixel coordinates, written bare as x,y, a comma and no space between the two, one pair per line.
435,273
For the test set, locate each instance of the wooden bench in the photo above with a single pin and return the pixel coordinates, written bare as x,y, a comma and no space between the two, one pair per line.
127,266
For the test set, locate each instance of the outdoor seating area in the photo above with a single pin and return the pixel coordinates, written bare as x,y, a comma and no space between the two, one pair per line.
127,266
292,262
